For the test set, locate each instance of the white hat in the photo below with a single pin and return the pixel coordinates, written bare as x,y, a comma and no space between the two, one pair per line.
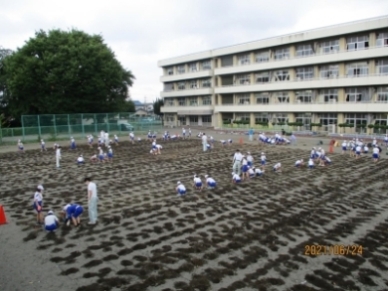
232,173
67,206
50,212
262,153
40,187
179,182
248,153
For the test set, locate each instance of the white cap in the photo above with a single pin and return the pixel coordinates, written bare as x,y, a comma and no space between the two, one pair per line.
50,212
262,153
65,208
179,182
232,173
40,187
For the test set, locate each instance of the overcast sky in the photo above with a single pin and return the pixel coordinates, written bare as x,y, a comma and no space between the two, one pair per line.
143,32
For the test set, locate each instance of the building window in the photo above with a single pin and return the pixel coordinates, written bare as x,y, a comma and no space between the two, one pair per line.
262,98
206,119
181,86
170,71
262,57
261,118
330,95
304,96
306,73
206,100
227,61
206,65
169,102
243,99
355,43
243,59
280,118
206,83
194,84
382,67
330,71
193,67
181,69
329,46
304,50
304,118
283,97
357,69
168,86
357,95
193,101
243,79
243,117
382,95
328,118
262,77
181,101
169,117
356,118
281,76
193,119
382,39
281,54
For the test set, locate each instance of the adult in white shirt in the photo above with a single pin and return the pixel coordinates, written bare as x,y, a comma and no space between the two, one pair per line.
106,139
197,183
211,183
277,168
237,159
51,222
375,154
58,155
92,200
180,189
204,142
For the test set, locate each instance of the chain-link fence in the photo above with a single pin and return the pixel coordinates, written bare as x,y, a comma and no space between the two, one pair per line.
62,126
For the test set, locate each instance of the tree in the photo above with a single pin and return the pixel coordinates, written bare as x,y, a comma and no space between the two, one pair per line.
5,118
157,104
65,72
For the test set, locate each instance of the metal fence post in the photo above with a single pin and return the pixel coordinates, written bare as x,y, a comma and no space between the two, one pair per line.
68,123
55,126
107,121
39,130
83,127
23,127
95,124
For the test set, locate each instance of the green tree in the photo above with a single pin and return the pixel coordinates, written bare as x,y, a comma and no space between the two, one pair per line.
65,72
157,104
5,118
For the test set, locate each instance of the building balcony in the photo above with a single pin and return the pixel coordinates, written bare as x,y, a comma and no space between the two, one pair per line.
339,57
187,76
368,80
188,109
187,92
340,107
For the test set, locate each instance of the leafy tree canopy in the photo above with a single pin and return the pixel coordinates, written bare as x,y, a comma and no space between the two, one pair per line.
157,104
65,72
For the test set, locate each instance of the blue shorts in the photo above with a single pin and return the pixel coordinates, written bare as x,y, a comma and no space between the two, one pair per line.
327,162
375,156
251,175
80,163
78,211
212,184
101,157
181,192
154,147
250,164
51,227
110,155
40,203
21,148
245,168
198,184
263,162
344,148
73,145
298,165
259,174
224,142
43,147
358,153
365,152
311,167
116,140
237,181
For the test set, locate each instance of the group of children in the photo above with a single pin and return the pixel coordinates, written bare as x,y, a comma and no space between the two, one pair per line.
358,148
198,184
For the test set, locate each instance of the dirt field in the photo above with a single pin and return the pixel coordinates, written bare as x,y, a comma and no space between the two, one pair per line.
251,236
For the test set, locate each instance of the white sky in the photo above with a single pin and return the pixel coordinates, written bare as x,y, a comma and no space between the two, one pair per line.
143,32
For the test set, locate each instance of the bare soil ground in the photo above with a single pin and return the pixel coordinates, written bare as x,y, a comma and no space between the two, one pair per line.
237,237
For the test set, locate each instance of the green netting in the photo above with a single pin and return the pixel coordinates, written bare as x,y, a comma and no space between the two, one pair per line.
61,126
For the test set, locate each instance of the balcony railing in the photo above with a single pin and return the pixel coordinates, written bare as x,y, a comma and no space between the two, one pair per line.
188,103
301,103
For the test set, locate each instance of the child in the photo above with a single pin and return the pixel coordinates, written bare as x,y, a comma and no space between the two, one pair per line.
235,178
263,160
58,155
258,172
116,139
211,183
251,172
249,159
375,154
94,158
42,146
132,137
110,154
197,183
311,163
180,189
72,212
299,163
80,160
72,143
244,168
51,222
20,146
38,203
277,168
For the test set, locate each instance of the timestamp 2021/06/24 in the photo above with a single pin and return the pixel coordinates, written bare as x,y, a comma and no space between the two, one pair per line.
336,250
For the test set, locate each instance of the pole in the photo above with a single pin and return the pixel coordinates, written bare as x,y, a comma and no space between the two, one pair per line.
55,127
95,124
40,132
107,121
82,121
23,126
68,124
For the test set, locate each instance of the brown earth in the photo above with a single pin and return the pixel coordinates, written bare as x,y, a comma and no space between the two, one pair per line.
251,236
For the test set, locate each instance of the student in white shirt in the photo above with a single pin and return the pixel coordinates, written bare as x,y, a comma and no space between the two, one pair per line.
251,172
110,154
299,163
358,151
116,138
51,222
263,160
223,142
366,149
132,137
311,163
375,154
183,133
20,146
327,161
236,178
204,142
90,141
92,200
249,159
72,143
237,159
244,168
258,172
94,158
38,205
42,145
211,183
344,147
180,189
277,168
80,160
101,155
58,155
197,183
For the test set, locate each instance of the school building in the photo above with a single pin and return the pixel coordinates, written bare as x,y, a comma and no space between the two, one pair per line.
333,79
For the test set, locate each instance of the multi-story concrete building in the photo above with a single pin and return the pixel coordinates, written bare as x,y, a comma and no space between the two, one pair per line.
334,76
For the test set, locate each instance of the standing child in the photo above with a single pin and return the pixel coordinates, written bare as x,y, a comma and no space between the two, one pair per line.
110,154
38,204
116,139
42,146
58,155
20,146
